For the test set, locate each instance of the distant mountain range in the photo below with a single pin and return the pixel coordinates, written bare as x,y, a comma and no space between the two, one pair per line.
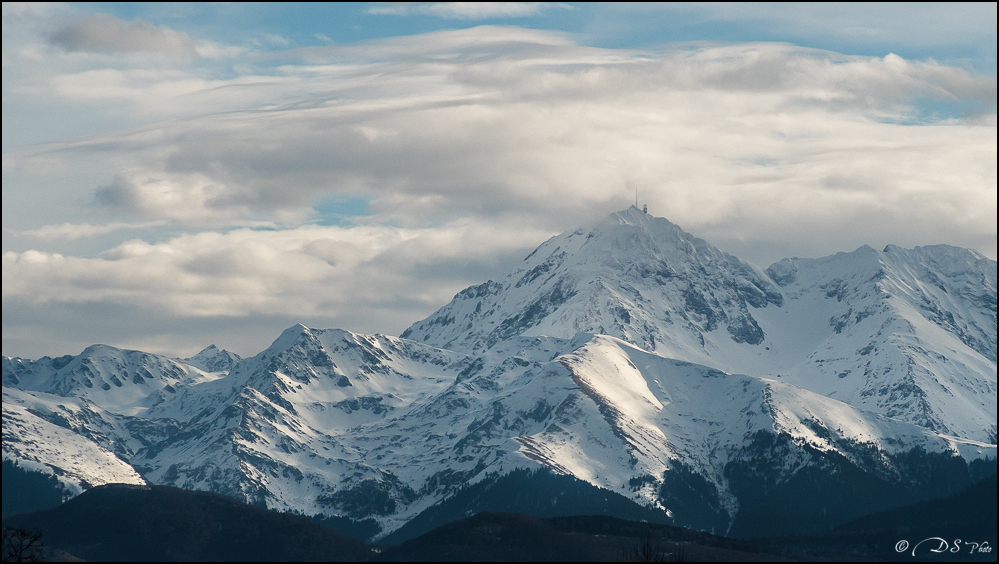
631,359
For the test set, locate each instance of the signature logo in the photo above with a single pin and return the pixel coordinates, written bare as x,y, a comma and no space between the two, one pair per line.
939,545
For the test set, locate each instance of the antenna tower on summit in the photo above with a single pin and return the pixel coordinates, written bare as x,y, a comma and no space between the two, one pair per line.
644,208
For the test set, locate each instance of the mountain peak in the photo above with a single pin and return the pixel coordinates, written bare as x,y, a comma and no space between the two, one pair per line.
632,215
659,227
214,359
634,276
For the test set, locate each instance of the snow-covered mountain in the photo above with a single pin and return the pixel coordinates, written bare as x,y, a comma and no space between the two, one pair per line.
83,417
633,276
633,357
908,334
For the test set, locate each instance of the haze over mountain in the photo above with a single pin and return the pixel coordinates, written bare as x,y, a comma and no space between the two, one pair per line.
630,356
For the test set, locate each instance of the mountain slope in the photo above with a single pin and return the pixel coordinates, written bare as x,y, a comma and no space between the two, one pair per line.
910,334
281,428
39,445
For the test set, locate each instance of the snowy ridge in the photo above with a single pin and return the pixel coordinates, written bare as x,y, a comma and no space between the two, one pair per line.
39,445
124,381
632,356
665,411
288,413
910,334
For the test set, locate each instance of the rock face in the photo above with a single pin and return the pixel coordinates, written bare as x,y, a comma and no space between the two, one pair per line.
632,357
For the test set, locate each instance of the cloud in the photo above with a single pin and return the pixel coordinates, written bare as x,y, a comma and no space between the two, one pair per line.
962,34
189,198
106,33
73,231
363,277
27,9
925,24
469,148
499,121
465,10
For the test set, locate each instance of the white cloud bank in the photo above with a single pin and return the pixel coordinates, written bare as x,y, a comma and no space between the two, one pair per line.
473,146
367,278
310,270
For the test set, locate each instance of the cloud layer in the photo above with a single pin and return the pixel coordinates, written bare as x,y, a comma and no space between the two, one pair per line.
468,148
495,121
365,278
103,32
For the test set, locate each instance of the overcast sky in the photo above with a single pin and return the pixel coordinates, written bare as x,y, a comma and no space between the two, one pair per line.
179,175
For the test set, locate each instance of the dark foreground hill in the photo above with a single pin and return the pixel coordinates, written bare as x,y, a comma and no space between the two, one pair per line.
968,517
957,528
143,523
26,490
498,537
157,523
539,493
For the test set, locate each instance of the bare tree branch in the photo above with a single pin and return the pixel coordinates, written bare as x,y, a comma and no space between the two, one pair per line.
21,545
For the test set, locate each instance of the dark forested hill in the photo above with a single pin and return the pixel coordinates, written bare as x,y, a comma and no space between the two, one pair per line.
156,523
27,490
497,537
143,523
957,528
